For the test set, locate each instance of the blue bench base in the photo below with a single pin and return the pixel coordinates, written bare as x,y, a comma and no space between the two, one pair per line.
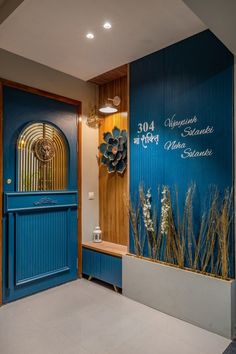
102,266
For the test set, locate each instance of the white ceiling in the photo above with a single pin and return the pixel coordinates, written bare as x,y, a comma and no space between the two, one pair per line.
220,17
52,32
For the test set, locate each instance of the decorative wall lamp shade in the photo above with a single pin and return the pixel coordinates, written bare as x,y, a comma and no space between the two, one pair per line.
111,107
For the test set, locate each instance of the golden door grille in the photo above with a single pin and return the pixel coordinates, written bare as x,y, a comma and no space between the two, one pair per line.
42,158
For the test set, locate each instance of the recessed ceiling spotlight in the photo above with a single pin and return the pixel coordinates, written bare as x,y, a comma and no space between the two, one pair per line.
107,25
90,35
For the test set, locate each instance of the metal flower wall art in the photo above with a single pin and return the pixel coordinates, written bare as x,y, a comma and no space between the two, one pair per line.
114,150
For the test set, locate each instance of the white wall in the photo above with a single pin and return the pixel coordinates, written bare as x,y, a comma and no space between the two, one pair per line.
219,17
16,68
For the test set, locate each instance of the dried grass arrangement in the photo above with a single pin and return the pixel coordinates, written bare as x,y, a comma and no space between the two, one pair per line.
172,235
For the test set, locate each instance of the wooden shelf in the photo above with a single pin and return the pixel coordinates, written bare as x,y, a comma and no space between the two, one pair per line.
110,248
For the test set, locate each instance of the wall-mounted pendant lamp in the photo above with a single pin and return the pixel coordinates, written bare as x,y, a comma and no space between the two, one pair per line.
111,108
93,120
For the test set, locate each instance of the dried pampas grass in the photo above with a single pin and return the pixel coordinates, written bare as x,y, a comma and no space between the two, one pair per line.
174,238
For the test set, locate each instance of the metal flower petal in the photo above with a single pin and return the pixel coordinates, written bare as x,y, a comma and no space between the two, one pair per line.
124,134
103,148
110,167
111,156
116,161
107,136
109,147
104,160
121,167
116,132
113,141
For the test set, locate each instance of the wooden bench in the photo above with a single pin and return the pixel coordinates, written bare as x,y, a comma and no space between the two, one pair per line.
103,261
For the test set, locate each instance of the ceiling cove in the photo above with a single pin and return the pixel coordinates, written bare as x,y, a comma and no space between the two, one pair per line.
53,32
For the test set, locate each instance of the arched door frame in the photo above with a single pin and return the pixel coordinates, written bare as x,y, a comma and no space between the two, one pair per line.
78,106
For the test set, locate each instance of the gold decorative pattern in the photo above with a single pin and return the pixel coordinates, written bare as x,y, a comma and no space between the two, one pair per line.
41,158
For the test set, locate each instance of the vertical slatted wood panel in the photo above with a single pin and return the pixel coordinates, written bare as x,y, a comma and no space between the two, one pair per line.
113,188
45,254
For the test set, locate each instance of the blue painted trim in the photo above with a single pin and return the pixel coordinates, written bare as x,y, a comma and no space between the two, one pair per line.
33,201
40,192
11,250
38,286
40,277
43,207
69,230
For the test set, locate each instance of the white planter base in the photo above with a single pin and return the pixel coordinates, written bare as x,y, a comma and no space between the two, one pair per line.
202,300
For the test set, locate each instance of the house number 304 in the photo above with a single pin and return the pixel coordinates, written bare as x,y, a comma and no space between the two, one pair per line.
145,127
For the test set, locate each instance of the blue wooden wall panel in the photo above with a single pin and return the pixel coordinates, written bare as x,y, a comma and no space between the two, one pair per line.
193,78
111,269
42,250
91,263
42,243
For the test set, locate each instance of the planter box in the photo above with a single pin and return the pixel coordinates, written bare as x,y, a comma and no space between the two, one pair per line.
202,300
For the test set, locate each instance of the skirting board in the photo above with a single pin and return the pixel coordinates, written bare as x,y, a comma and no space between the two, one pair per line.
204,301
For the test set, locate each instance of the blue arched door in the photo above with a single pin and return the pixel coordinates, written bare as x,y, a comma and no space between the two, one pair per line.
40,193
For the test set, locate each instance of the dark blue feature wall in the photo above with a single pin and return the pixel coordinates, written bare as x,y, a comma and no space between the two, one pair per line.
181,117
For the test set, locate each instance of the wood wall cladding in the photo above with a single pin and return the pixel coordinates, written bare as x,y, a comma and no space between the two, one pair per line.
113,188
111,75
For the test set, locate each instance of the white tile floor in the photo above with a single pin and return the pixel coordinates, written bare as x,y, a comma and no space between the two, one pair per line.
86,318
